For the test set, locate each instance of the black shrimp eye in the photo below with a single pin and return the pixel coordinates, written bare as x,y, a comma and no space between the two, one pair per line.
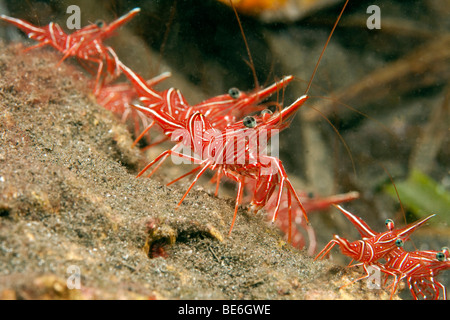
440,256
399,243
249,122
100,23
234,93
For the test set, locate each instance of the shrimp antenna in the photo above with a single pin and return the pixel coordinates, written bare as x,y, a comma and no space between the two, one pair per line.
252,65
347,148
166,33
398,196
323,50
396,191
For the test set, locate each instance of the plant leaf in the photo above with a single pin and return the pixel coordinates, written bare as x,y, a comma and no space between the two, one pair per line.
422,195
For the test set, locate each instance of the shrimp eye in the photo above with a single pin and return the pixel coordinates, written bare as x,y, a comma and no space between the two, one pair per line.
249,122
440,256
100,23
399,243
234,93
389,224
266,114
266,111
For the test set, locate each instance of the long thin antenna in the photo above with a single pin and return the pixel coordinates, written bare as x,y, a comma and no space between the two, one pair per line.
347,148
323,50
252,65
173,10
396,191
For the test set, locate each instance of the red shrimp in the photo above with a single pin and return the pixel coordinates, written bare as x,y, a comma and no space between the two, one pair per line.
248,161
86,43
420,269
221,110
373,245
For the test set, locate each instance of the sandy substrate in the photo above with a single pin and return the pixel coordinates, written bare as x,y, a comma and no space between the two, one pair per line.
69,197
